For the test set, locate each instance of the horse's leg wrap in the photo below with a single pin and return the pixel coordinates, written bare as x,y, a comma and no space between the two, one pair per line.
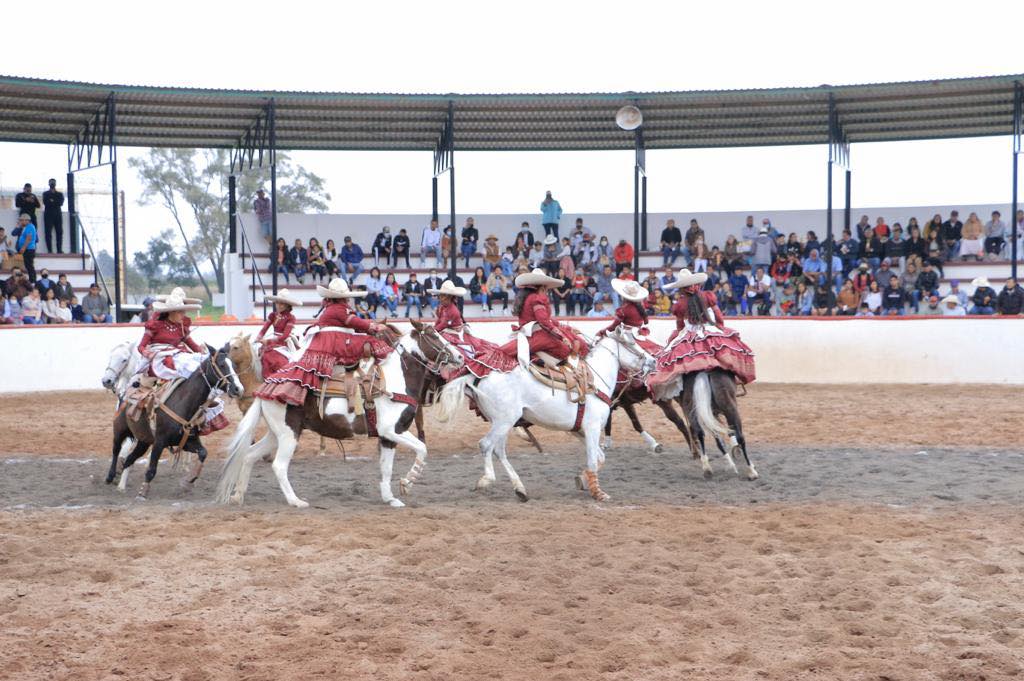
414,474
594,486
196,470
143,492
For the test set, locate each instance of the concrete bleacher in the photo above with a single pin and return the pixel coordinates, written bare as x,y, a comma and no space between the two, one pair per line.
78,268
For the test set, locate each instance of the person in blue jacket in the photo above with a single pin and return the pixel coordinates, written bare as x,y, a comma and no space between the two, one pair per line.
26,244
551,213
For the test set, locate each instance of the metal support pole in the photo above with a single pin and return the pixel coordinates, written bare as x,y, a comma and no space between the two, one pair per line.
829,239
846,209
453,248
72,226
232,216
273,197
1018,132
115,209
636,220
433,182
1013,219
643,217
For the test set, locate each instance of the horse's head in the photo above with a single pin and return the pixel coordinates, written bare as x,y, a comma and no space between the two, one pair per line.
632,356
117,364
434,347
223,371
239,351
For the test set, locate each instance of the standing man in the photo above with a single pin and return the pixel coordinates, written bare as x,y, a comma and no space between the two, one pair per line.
53,201
431,243
470,237
27,203
261,206
551,213
26,244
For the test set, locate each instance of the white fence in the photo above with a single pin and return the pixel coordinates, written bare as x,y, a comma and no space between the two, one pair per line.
911,350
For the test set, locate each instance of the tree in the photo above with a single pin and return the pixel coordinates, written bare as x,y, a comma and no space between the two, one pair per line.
161,264
199,180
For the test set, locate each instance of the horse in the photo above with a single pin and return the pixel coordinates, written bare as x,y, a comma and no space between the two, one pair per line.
174,424
404,372
245,356
505,398
706,394
631,395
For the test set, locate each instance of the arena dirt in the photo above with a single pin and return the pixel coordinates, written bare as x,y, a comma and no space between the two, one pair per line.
882,541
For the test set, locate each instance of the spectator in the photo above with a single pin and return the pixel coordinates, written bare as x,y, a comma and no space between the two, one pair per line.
915,247
763,249
598,310
579,235
951,307
413,296
264,215
401,245
17,284
300,260
895,247
627,273
27,203
731,253
671,239
446,245
772,232
6,248
95,308
497,289
492,254
1011,299
381,249
63,288
665,279
693,234
781,272
1019,227
814,269
331,259
63,312
811,244
374,291
847,249
622,255
972,238
391,293
351,260
871,249
994,231
864,311
700,255
579,295
823,302
952,231
526,234
604,251
317,264
430,243
663,305
561,294
954,290
26,244
142,317
759,292
586,254
792,245
507,262
565,260
848,300
536,257
927,283
32,308
908,282
551,213
881,229
749,232
283,259
893,297
51,308
785,298
478,287
53,220
984,297
603,283
883,272
804,299
873,297
432,282
44,283
11,312
77,315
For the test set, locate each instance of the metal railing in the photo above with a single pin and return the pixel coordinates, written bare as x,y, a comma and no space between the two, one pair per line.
97,274
256,277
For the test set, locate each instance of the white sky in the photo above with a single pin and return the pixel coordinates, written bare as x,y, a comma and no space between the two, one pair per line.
531,46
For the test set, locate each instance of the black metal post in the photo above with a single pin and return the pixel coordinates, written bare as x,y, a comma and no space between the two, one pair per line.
232,216
643,217
846,209
454,240
273,196
1018,132
433,182
72,226
829,239
116,212
636,220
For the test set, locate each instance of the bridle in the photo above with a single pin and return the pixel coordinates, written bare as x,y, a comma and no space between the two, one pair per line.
444,355
117,374
223,379
632,348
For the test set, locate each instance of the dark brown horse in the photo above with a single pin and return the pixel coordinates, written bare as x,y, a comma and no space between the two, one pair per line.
706,395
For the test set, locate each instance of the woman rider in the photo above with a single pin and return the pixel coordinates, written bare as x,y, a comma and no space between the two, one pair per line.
341,336
700,342
533,308
631,314
273,357
477,352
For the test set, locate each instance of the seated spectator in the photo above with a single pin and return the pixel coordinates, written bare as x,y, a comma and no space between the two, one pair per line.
908,282
300,260
793,245
915,246
883,272
665,279
848,301
894,247
671,239
804,299
497,290
952,231
927,283
824,301
381,248
871,249
881,229
731,254
604,250
413,291
785,298
984,298
44,283
374,292
663,305
622,255
954,290
11,312
507,261
700,255
579,295
6,248
1011,299
814,268
586,254
848,249
694,234
51,307
536,257
317,264
551,255
478,286
77,316
401,248
391,293
603,284
283,259
893,297
812,244
63,311
430,244
446,245
18,284
972,239
562,294
63,288
492,253
470,237
931,306
873,298
951,307
522,246
141,317
331,259
758,293
864,311
95,307
32,308
351,264
565,260
432,282
598,310
627,273
994,236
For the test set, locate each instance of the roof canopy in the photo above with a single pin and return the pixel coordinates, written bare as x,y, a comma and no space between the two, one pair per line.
47,111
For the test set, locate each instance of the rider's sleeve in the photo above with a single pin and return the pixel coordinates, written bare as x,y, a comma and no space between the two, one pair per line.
282,338
356,322
447,319
544,320
147,338
619,319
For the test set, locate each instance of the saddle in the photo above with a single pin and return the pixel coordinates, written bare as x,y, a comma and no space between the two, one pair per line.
572,379
360,384
145,394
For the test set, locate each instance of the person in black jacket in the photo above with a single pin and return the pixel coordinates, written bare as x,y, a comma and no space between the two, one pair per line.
53,221
64,290
27,203
432,282
1011,299
871,249
952,230
927,283
671,238
893,297
400,244
470,238
413,295
381,248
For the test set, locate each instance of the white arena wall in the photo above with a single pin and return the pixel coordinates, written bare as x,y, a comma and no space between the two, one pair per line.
846,351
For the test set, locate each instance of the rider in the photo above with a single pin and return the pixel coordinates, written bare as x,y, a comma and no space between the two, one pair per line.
533,307
340,337
631,314
273,357
477,352
700,342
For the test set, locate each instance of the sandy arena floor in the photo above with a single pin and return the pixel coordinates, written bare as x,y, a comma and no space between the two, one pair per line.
882,542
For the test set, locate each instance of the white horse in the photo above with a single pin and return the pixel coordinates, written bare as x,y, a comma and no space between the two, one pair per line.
124,359
504,398
404,370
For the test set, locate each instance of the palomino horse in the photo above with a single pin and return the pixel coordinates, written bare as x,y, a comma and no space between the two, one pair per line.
216,372
404,372
504,398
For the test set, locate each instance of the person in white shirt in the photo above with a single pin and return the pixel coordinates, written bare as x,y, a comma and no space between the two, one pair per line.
951,307
431,243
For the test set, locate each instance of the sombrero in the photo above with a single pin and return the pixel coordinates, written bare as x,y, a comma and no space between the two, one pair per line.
550,239
630,290
950,299
173,303
491,237
448,289
537,278
338,288
178,292
687,278
284,296
981,281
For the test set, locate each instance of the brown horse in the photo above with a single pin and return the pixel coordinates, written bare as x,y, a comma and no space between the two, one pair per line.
706,395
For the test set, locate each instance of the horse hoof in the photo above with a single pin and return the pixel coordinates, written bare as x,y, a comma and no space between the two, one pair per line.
299,503
236,498
708,474
521,495
752,475
110,479
396,503
658,449
140,497
483,483
601,496
581,483
268,457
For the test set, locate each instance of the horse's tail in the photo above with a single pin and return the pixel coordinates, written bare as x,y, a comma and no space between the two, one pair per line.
702,406
452,397
237,449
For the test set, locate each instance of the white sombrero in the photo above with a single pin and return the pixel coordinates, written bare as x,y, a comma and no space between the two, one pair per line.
981,281
338,288
537,278
284,296
630,290
950,299
178,292
448,289
174,303
687,278
550,239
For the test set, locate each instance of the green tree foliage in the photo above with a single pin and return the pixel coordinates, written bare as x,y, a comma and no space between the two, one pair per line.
193,186
162,265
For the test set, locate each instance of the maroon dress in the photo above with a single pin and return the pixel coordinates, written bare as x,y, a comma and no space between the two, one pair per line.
161,331
481,356
632,315
283,324
548,335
